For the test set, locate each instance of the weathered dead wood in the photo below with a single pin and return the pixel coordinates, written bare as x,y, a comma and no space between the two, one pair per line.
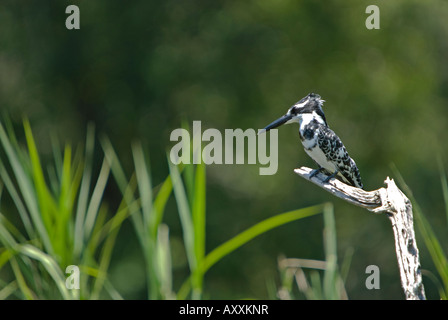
391,201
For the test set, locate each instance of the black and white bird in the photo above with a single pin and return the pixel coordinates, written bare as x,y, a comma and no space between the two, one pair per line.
319,141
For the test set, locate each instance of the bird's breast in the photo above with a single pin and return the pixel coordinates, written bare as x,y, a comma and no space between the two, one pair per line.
310,143
320,158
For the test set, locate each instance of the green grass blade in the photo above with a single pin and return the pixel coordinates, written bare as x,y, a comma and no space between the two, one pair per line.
260,228
164,262
145,189
50,265
316,286
17,201
5,256
105,257
84,191
12,230
161,200
45,201
26,291
330,245
198,218
63,210
114,163
96,199
26,187
187,226
185,216
198,212
114,294
434,247
57,158
5,236
345,266
100,230
126,190
188,174
149,230
444,182
8,290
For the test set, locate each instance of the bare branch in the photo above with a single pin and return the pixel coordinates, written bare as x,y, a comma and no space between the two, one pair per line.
396,205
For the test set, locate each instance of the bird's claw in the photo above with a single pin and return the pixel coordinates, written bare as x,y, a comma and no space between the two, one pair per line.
314,172
327,179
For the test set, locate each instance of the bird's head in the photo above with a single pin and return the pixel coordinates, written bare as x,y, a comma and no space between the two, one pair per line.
309,105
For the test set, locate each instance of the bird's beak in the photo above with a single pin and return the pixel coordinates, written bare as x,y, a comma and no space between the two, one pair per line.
277,123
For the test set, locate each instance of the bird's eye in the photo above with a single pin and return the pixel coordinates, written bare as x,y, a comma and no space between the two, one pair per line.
293,111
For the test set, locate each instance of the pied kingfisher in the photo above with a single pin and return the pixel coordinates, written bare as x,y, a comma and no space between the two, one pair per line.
319,141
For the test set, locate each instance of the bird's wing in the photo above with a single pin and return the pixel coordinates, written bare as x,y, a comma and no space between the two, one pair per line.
336,152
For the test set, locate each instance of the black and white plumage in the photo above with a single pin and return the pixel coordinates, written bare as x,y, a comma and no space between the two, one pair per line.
319,141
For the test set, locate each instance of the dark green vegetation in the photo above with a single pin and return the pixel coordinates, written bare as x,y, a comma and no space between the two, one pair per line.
138,71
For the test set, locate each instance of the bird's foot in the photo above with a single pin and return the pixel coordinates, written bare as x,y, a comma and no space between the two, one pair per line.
315,171
327,179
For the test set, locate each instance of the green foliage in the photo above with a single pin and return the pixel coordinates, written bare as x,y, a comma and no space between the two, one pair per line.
63,222
138,70
146,213
328,287
190,195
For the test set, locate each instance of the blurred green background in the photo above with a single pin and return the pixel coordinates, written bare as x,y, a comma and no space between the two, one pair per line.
138,69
